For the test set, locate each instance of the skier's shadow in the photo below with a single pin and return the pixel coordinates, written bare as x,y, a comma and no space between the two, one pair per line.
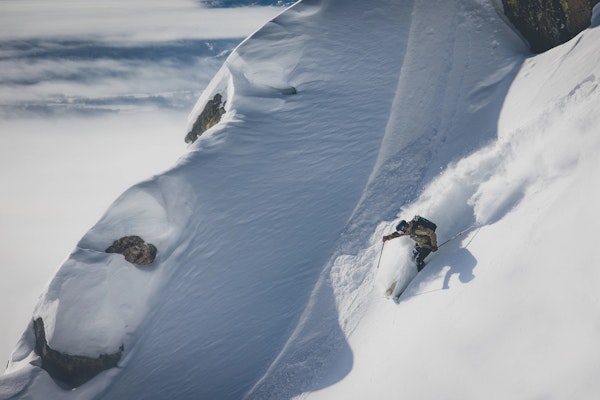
461,263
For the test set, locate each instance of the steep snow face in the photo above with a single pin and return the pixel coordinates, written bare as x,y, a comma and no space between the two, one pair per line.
510,310
458,61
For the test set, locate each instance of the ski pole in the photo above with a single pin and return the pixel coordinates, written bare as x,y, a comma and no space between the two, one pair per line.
457,235
380,254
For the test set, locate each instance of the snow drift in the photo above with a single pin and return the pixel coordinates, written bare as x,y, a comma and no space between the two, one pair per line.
269,229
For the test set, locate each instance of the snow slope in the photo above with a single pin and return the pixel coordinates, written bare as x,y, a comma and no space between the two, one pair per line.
269,228
511,310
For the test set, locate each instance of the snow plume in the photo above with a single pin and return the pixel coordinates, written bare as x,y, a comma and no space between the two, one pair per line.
533,148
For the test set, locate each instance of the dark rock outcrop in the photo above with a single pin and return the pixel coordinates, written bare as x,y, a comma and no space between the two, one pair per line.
209,117
70,370
549,23
135,250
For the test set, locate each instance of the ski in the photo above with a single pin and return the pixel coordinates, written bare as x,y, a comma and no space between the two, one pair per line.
397,297
390,291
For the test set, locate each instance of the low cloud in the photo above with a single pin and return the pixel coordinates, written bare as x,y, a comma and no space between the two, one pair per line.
69,56
172,76
128,22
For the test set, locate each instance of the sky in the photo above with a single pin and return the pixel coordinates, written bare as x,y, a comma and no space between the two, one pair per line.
94,97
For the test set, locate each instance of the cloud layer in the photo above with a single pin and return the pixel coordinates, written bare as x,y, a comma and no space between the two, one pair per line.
128,22
96,57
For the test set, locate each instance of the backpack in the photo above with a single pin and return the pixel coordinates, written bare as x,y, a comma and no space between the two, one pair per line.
423,222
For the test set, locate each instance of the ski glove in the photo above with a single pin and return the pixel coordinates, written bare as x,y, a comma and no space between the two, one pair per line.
434,248
393,235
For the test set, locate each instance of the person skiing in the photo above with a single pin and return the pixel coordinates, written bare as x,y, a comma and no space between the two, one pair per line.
422,232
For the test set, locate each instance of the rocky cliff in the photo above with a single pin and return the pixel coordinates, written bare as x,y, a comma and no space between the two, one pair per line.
549,23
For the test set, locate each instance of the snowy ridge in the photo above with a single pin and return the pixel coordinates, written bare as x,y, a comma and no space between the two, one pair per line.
269,229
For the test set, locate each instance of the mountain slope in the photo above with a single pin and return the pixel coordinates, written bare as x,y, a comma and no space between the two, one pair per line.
269,229
510,310
450,91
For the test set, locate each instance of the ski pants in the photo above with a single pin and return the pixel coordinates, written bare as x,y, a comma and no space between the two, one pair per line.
419,254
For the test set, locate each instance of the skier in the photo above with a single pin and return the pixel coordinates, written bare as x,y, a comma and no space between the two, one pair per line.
422,232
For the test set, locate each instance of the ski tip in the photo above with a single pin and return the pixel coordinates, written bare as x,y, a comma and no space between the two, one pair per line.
396,298
390,290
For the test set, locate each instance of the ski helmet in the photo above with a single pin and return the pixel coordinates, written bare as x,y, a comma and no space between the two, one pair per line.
402,225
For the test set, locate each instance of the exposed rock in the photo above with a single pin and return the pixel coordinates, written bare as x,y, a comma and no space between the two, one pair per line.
135,250
70,370
549,23
209,117
287,90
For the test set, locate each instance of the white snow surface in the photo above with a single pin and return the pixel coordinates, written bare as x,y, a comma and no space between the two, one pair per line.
269,282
